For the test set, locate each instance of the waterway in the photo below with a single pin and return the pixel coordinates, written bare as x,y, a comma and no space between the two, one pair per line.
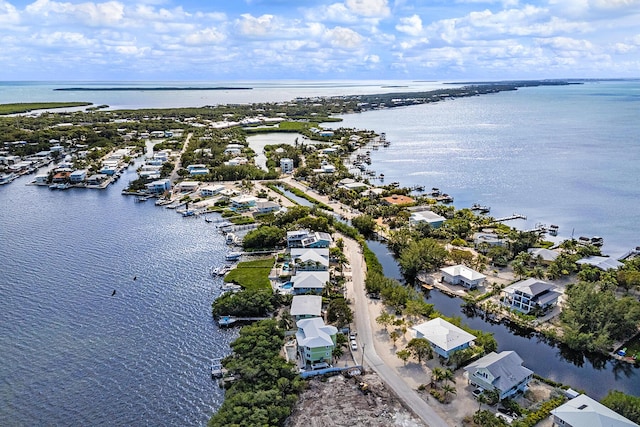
594,374
73,353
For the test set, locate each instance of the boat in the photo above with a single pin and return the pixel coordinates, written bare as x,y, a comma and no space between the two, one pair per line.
6,179
208,220
553,230
480,208
231,238
597,241
63,186
188,213
233,256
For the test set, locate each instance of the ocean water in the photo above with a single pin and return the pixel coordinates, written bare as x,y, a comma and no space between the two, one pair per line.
563,155
73,354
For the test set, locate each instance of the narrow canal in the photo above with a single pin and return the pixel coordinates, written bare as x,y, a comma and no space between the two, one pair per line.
595,375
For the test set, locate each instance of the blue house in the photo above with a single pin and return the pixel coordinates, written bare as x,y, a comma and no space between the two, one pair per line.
159,186
502,372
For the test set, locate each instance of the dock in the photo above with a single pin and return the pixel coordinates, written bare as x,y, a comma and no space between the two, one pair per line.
231,320
217,371
510,218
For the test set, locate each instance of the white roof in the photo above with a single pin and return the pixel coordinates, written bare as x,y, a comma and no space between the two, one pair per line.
443,334
311,255
427,216
463,271
306,305
583,411
313,333
310,279
545,254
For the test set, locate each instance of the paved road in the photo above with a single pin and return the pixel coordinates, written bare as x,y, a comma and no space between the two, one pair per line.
363,326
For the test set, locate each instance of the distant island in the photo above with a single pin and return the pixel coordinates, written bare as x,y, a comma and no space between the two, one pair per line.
155,88
25,107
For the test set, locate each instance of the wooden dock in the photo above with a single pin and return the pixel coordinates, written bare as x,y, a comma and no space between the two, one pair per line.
231,320
510,218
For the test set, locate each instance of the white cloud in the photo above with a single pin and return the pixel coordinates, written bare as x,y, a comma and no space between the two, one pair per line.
205,36
92,14
369,8
344,38
252,26
411,25
8,14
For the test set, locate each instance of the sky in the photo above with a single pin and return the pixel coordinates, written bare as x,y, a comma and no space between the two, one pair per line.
245,40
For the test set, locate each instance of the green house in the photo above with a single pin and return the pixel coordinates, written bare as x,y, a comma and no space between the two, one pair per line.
316,340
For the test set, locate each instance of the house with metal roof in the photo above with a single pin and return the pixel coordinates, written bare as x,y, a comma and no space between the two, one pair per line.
583,411
310,259
444,337
530,293
309,281
431,218
502,372
546,256
316,340
462,275
602,262
306,306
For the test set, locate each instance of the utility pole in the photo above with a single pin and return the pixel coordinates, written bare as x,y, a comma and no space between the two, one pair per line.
364,345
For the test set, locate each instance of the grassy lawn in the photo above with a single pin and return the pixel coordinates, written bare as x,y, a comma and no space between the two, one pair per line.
252,274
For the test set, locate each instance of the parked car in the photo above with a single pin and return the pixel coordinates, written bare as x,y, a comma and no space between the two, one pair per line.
477,392
354,345
352,336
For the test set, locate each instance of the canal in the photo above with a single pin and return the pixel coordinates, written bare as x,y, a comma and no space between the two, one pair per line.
593,374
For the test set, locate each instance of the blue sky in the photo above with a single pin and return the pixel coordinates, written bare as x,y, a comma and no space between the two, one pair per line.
189,40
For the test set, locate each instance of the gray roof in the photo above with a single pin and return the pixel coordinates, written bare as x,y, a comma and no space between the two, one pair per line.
530,286
314,333
545,254
310,279
583,411
303,305
505,367
601,262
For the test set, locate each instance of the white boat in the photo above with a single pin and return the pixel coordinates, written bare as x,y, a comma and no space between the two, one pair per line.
231,238
5,179
233,256
63,186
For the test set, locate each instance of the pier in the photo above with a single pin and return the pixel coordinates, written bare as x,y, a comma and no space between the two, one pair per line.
510,218
217,371
231,320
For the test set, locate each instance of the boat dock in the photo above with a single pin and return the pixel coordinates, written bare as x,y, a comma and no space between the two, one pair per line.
231,320
217,371
510,218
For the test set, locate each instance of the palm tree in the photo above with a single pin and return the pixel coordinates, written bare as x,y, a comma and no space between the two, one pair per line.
447,375
436,375
448,389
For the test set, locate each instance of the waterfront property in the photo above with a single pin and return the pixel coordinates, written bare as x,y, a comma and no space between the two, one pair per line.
530,294
159,186
444,337
583,411
426,216
316,340
462,275
309,281
306,306
398,200
286,165
487,240
310,259
264,206
502,372
545,256
211,190
602,262
307,239
78,176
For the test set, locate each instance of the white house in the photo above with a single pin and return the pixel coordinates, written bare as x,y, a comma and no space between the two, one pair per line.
309,281
502,372
159,186
265,206
431,218
444,337
530,293
78,176
310,259
546,256
243,201
462,275
487,239
211,190
286,165
307,239
583,411
187,186
602,262
306,306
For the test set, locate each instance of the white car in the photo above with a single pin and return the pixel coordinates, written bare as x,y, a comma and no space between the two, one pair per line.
352,336
354,345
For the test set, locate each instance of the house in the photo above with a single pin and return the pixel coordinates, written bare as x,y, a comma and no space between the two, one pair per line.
211,190
78,176
237,161
309,281
602,262
444,337
307,239
546,256
487,239
61,177
329,168
398,200
244,201
265,206
96,179
286,165
431,218
316,340
188,186
306,306
198,169
159,186
502,372
530,293
583,411
462,275
306,259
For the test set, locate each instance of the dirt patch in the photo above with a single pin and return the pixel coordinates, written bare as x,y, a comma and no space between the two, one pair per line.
339,401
